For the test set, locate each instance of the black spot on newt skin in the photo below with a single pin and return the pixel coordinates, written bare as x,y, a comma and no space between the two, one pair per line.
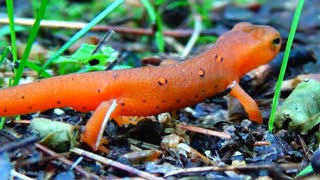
30,107
163,101
215,86
5,110
58,102
218,58
144,101
215,57
122,103
22,97
196,96
162,81
201,73
99,90
178,100
157,107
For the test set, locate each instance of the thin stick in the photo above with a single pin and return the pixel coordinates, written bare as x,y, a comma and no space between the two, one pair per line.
205,131
64,160
180,33
115,164
196,33
19,175
105,121
231,168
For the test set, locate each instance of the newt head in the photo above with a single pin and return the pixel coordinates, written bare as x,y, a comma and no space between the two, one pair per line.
252,45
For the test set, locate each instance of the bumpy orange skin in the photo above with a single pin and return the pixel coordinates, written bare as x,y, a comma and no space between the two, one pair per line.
152,90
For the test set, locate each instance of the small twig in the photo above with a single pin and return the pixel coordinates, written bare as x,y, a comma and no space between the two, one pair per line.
305,148
106,119
115,164
66,161
180,33
143,144
21,121
262,143
19,143
205,131
196,33
216,133
203,157
102,41
249,168
19,175
194,37
75,164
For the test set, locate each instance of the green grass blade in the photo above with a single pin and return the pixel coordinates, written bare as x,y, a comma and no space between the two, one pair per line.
4,55
34,67
84,30
151,11
155,18
10,11
305,171
2,58
159,35
2,121
31,38
292,32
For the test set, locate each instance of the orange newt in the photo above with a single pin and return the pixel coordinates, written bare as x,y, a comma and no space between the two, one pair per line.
152,90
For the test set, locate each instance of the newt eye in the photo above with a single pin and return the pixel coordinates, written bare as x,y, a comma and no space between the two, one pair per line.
276,41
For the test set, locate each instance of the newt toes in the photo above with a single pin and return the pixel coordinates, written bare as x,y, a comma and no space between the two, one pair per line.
152,90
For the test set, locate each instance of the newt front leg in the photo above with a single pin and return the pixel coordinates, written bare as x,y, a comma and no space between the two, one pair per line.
97,123
249,105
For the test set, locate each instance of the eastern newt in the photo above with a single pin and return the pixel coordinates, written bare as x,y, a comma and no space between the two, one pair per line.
152,90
